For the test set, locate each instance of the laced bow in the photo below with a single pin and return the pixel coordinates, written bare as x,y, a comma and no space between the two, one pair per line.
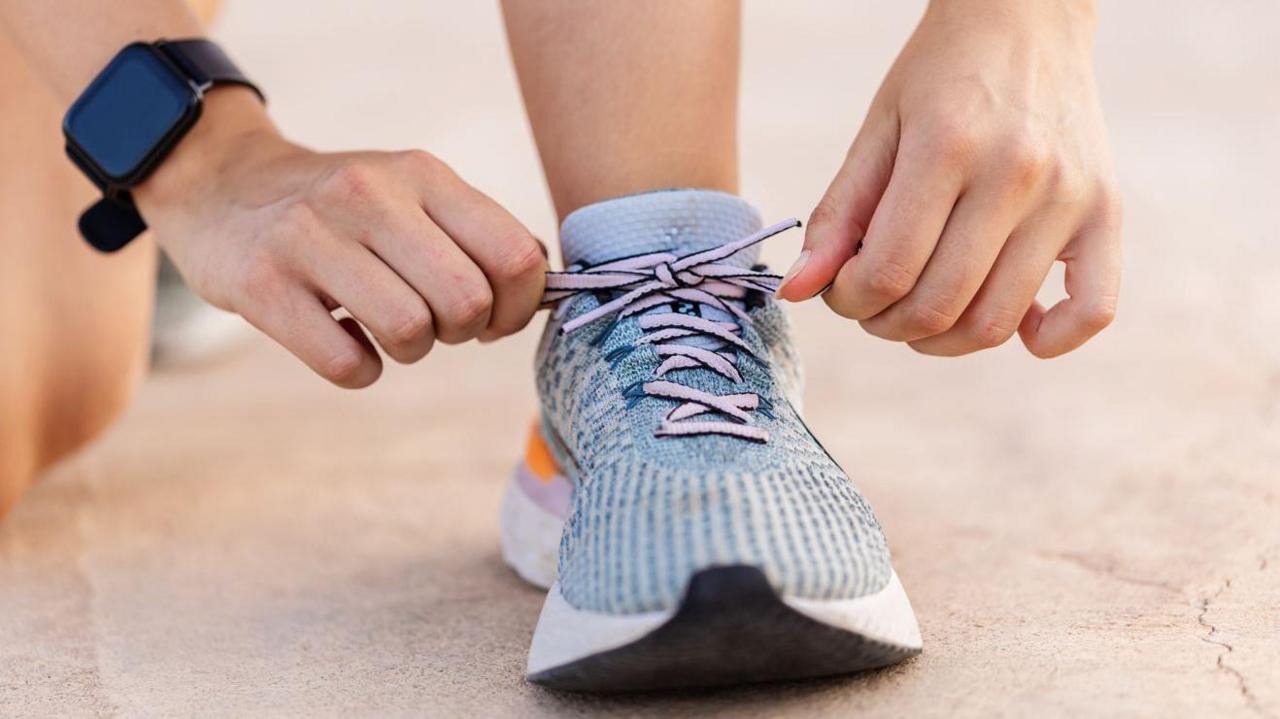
682,340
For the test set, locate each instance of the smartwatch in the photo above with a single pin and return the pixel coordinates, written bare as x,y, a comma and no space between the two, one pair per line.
131,117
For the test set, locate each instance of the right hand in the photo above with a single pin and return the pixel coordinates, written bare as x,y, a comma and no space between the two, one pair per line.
283,236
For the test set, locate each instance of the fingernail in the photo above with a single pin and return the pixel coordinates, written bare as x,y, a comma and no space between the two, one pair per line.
796,267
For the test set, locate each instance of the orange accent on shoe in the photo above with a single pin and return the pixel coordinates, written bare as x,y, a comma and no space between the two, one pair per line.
537,456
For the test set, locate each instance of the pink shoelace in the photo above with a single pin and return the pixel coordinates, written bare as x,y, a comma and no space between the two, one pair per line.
661,278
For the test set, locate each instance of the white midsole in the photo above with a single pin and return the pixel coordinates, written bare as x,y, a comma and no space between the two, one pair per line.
530,536
530,545
566,634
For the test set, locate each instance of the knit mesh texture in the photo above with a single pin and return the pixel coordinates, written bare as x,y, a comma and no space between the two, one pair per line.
649,512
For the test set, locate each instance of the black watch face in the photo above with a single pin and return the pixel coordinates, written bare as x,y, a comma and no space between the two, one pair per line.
130,114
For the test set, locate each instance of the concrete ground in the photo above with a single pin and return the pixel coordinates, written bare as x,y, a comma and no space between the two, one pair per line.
1096,535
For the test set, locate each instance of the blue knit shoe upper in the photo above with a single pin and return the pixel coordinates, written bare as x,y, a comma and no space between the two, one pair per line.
674,412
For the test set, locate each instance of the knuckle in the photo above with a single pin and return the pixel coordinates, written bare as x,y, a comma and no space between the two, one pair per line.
419,161
824,214
1025,158
411,324
950,142
890,279
1068,188
1098,314
522,259
993,330
259,278
351,180
930,317
471,307
297,218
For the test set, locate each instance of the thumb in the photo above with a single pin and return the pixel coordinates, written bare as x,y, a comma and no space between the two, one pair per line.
840,220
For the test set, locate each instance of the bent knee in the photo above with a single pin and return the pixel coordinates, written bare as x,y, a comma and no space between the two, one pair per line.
55,417
17,473
76,412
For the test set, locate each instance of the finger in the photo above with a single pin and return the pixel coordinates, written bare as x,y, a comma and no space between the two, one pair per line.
359,281
513,262
1093,289
353,330
338,352
1006,295
839,222
903,232
454,287
977,229
416,249
387,220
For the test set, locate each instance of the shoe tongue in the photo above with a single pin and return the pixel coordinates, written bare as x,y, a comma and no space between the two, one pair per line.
677,221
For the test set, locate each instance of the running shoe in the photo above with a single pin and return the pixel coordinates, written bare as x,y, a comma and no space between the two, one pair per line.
690,528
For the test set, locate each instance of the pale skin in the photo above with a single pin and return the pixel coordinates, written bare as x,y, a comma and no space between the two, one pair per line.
283,235
653,87
983,160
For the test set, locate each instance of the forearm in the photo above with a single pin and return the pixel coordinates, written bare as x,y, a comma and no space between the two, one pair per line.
68,54
1074,19
284,236
625,97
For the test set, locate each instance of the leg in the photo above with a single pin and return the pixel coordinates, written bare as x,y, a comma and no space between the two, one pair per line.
626,97
73,323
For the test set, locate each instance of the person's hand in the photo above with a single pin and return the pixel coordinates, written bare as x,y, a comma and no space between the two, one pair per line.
982,160
284,236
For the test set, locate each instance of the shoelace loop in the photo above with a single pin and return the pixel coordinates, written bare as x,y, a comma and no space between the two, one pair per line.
645,282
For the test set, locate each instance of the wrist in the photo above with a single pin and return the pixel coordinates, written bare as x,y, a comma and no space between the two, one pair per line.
1064,24
1077,13
1078,9
231,117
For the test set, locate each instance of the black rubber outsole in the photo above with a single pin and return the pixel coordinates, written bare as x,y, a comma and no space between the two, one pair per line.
731,628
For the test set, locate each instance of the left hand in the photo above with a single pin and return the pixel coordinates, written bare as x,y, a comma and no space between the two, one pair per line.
982,161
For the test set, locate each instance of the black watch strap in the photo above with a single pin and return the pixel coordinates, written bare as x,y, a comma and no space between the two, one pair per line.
111,223
205,63
114,221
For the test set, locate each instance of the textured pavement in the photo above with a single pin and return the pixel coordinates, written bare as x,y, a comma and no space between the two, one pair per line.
1096,535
